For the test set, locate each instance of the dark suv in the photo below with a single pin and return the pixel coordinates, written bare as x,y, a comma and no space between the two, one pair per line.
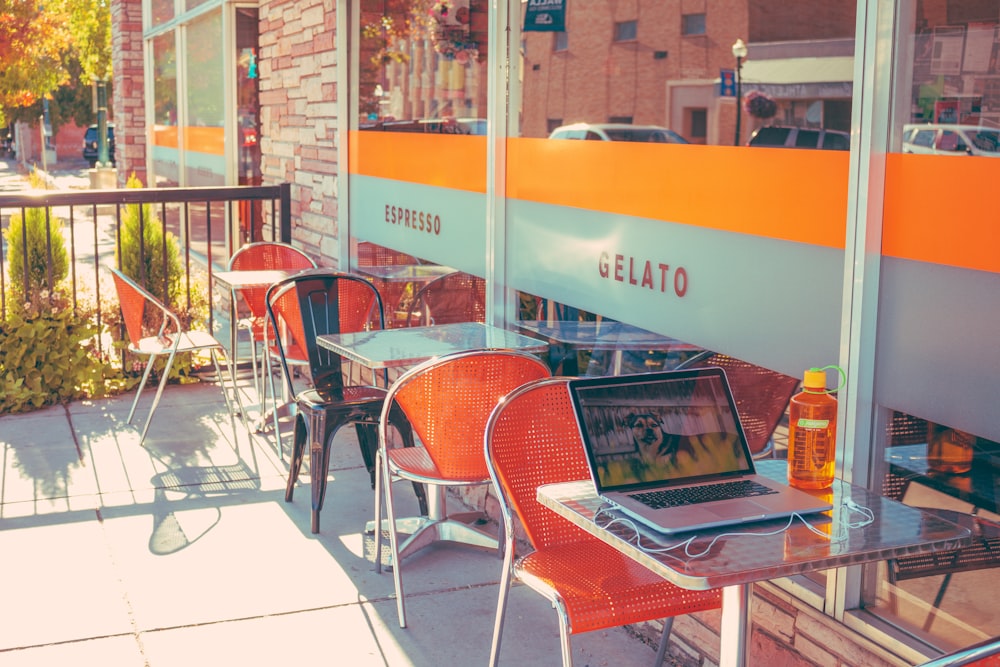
774,136
90,145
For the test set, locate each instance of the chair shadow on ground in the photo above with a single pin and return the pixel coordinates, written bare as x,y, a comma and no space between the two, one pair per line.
169,534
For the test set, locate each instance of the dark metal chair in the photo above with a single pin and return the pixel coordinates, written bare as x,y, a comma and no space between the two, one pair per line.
300,308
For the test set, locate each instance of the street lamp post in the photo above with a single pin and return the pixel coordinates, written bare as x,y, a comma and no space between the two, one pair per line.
740,52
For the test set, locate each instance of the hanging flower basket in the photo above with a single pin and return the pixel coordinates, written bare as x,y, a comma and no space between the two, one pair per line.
760,105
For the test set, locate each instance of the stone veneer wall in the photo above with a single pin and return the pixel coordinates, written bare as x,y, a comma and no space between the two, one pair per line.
127,96
298,101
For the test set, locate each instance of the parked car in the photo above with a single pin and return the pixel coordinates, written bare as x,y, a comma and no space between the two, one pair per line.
946,139
90,145
779,136
618,132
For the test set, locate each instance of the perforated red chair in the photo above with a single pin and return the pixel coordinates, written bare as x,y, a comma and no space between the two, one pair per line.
446,401
166,338
262,256
372,254
532,439
761,396
455,297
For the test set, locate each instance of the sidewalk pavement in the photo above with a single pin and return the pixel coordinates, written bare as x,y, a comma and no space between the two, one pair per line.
183,552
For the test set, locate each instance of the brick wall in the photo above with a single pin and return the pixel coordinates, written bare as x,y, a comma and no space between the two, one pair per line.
128,93
298,103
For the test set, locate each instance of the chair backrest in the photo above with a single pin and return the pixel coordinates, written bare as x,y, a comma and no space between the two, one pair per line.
455,297
532,439
318,302
132,299
761,395
447,401
372,254
266,256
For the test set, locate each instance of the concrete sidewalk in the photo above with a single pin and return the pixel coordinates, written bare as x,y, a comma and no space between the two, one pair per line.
183,552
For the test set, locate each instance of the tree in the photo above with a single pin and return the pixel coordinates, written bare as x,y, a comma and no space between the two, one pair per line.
89,26
32,44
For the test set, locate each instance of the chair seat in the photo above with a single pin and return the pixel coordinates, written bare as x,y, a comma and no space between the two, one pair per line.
342,398
602,588
190,342
415,463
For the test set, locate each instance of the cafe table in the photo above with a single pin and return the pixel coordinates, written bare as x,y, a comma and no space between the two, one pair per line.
604,336
980,486
398,348
738,557
243,279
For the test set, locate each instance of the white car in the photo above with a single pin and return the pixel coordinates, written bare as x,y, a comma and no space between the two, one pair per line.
942,139
618,132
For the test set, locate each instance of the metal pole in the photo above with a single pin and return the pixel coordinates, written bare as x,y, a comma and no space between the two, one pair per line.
102,123
739,99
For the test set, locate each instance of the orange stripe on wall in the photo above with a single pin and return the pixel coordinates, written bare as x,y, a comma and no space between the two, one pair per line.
443,160
165,136
210,140
941,209
793,195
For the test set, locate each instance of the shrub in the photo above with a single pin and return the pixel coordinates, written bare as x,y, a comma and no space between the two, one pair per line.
141,253
39,239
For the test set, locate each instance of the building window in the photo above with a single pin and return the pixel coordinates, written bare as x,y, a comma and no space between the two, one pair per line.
560,41
693,24
627,120
697,125
625,31
553,123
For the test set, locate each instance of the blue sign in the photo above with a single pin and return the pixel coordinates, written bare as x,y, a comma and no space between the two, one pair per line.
545,16
727,83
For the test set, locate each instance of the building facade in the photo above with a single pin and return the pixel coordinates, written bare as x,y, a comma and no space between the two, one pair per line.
422,125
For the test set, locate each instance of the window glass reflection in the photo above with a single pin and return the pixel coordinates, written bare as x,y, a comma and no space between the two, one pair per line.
422,66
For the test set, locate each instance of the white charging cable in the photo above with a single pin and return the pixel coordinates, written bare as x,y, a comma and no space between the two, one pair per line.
868,516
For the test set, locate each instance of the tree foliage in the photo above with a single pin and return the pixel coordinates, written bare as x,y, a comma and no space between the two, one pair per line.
52,50
32,44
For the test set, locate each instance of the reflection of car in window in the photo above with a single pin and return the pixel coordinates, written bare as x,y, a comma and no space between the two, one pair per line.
949,139
618,132
775,136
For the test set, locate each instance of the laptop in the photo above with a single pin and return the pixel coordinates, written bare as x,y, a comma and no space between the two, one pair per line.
659,446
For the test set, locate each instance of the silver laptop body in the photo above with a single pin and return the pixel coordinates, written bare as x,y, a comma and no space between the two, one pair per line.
676,432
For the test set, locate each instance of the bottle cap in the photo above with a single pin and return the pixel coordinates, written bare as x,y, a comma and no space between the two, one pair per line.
815,378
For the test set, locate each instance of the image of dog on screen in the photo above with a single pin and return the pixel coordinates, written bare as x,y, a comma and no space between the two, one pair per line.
654,443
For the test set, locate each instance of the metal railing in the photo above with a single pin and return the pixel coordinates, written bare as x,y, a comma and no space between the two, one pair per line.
207,224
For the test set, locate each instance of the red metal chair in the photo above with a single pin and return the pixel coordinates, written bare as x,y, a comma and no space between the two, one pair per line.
446,401
532,439
455,297
372,254
262,256
761,395
169,339
310,304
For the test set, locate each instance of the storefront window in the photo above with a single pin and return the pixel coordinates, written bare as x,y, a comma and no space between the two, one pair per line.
421,99
164,149
938,299
204,143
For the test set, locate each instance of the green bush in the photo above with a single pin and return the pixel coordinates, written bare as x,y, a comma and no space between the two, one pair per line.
142,250
34,236
49,355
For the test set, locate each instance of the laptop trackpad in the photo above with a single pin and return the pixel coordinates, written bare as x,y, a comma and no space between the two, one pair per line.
737,509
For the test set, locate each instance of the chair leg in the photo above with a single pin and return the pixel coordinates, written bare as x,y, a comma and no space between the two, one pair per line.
397,566
379,484
298,451
661,651
225,392
505,583
368,442
159,393
142,385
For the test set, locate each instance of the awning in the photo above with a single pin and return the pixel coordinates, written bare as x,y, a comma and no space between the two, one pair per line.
799,77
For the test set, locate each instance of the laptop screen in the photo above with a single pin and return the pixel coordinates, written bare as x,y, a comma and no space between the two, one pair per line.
660,429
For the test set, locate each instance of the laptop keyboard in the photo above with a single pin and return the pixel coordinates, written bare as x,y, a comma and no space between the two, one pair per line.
693,495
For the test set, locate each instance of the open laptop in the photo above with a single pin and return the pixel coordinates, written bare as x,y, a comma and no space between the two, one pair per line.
658,444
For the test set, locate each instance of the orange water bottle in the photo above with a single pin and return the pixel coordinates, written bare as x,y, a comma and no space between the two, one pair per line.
812,433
